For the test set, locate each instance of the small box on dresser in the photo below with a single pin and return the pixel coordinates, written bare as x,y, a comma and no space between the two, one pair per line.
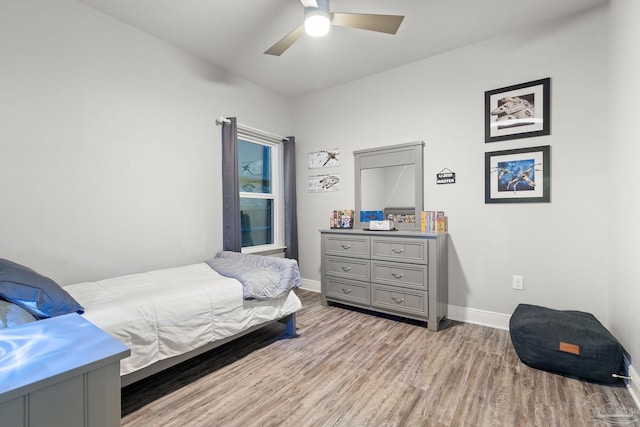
396,272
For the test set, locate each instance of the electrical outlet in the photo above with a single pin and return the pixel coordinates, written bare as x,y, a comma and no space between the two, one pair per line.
517,282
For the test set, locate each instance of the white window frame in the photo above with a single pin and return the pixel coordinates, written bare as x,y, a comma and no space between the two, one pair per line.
277,192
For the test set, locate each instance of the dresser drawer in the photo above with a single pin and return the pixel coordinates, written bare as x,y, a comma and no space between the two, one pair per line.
353,246
350,268
400,300
347,290
398,249
407,275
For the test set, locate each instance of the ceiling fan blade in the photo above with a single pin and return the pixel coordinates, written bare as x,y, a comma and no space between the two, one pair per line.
285,43
382,23
309,3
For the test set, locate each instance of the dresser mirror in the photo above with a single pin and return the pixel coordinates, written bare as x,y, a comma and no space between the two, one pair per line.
390,179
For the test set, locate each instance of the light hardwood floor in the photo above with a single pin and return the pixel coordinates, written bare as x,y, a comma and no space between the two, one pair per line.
350,368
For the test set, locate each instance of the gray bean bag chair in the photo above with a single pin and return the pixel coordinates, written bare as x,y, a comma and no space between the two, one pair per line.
570,343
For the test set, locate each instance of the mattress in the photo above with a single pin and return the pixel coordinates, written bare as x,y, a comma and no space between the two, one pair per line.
165,313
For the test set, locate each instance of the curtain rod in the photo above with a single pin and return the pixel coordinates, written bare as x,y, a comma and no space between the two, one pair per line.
249,129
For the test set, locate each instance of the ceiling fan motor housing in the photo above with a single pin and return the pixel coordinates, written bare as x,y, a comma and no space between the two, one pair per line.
317,20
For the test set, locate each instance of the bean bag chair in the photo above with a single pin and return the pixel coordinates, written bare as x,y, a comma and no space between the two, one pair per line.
570,343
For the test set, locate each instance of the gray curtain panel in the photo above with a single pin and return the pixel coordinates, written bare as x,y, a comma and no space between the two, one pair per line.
290,201
232,236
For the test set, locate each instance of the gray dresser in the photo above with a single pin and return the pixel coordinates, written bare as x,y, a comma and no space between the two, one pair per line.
62,371
397,272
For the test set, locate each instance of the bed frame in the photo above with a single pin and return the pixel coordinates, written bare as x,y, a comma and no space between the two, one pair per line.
161,365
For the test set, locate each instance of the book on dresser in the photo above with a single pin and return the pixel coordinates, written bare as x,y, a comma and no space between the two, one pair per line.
341,218
433,222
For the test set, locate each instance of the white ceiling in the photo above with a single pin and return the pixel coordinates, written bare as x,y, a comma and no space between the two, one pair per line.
233,34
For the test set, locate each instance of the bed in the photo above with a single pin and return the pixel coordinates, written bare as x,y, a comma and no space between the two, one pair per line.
170,315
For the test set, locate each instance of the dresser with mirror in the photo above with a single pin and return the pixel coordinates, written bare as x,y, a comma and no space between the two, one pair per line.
402,271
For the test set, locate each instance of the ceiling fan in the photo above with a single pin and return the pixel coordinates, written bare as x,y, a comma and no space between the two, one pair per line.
318,19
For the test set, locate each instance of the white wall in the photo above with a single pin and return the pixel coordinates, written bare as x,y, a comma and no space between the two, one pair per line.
623,151
110,156
560,247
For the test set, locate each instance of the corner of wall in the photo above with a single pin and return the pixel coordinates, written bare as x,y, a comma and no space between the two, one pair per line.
634,385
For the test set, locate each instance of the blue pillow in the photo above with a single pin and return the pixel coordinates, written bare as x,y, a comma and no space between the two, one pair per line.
37,294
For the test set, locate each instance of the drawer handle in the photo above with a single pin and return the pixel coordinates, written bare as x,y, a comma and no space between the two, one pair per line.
346,291
398,275
397,300
346,268
345,246
397,251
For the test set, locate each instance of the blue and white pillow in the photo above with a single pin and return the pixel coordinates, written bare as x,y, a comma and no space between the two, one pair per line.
37,294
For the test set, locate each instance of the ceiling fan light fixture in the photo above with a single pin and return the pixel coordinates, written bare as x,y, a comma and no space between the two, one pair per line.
317,22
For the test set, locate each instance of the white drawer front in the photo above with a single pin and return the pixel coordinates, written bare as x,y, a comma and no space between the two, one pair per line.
350,268
407,275
347,290
400,300
404,250
352,246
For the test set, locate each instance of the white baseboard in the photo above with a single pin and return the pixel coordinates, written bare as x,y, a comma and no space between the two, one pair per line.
310,285
479,317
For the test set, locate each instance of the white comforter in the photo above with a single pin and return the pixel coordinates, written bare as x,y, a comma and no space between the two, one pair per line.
165,313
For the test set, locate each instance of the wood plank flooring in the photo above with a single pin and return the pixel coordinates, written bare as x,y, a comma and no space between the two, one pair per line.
350,368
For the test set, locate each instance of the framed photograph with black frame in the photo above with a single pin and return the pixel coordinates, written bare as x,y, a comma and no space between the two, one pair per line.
518,111
518,176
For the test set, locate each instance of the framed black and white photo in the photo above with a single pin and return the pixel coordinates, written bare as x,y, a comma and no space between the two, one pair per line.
518,176
518,111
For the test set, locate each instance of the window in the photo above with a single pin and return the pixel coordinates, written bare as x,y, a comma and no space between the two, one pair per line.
261,203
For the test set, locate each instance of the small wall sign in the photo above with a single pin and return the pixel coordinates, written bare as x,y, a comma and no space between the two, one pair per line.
446,176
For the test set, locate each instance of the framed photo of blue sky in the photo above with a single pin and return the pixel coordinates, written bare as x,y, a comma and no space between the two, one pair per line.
518,176
518,111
